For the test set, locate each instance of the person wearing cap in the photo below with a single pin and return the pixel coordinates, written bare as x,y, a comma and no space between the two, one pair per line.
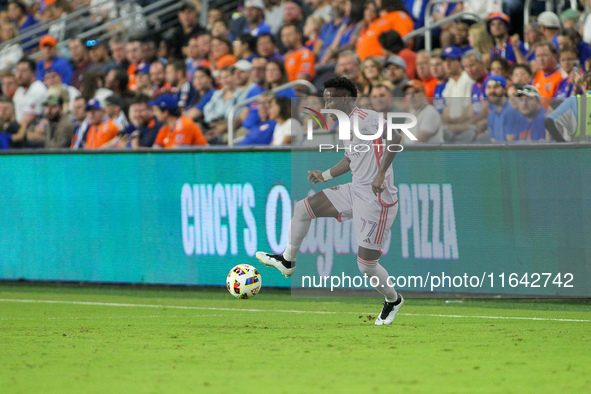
429,127
30,95
437,69
530,126
176,77
53,80
102,131
459,83
48,47
550,73
571,120
570,18
254,13
56,129
499,27
299,60
549,24
501,116
177,131
114,110
142,76
395,72
242,72
99,56
189,27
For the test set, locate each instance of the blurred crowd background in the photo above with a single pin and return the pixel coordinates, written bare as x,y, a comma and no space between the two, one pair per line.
129,74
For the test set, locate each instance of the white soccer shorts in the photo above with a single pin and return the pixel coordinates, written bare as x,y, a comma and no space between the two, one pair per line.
371,219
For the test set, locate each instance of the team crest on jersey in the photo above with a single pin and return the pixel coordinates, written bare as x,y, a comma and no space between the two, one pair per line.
264,127
291,62
178,138
548,85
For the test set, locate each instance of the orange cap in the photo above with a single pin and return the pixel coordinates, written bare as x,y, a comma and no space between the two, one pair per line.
414,83
48,40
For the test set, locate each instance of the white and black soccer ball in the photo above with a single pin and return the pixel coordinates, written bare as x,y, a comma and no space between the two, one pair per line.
244,281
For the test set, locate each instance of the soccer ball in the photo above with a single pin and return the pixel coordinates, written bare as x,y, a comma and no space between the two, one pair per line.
244,281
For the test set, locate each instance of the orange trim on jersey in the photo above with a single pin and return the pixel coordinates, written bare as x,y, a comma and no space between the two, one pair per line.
372,263
309,208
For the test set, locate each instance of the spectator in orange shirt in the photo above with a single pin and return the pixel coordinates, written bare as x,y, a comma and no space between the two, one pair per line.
221,53
550,73
102,131
178,131
133,51
424,73
393,16
299,60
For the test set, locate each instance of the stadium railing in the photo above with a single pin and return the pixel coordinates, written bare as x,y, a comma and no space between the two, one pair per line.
299,82
426,30
162,13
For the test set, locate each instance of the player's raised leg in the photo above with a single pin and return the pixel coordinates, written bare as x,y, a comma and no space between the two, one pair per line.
368,263
305,210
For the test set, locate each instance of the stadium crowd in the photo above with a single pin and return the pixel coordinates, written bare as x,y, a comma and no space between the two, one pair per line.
482,82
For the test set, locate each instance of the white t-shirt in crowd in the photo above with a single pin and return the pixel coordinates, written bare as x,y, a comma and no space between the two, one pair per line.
428,120
29,101
291,128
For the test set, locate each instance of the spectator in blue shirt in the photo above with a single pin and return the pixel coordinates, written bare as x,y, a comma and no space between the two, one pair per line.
203,83
330,30
145,125
530,126
48,45
499,27
254,13
262,132
502,116
17,12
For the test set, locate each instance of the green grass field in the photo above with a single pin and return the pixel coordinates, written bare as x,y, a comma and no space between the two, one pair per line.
70,339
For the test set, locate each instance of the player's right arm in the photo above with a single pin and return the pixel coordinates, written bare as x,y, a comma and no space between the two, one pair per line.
341,168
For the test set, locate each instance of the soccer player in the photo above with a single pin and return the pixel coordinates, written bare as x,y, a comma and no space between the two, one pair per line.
370,199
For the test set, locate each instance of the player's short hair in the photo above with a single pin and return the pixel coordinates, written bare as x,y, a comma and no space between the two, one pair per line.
473,53
343,84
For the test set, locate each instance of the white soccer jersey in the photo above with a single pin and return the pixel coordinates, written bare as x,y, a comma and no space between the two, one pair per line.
366,156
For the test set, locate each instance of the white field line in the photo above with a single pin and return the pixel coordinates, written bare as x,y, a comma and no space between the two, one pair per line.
276,310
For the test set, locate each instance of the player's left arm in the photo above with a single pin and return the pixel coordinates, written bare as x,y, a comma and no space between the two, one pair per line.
390,150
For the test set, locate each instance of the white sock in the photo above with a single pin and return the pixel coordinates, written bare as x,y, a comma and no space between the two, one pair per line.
372,268
298,228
